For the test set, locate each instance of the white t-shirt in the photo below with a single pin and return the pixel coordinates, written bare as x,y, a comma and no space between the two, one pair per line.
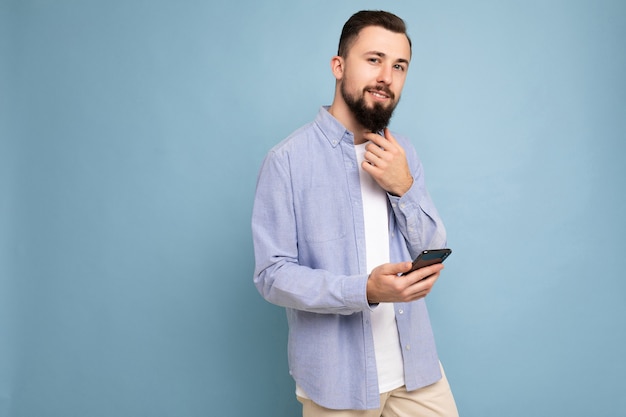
376,219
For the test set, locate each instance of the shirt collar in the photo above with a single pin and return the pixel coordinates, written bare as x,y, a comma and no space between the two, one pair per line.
332,129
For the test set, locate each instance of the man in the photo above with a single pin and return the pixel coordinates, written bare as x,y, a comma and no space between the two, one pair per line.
340,210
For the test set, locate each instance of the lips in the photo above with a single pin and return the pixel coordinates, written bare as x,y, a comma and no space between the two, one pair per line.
380,93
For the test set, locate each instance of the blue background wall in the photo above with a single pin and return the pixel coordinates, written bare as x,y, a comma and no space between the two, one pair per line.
131,135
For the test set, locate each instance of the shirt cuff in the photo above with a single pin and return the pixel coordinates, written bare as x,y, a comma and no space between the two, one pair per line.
355,292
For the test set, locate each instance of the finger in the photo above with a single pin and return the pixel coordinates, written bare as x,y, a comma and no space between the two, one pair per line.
373,157
390,137
416,291
424,286
426,272
374,147
420,295
396,268
386,143
371,169
377,139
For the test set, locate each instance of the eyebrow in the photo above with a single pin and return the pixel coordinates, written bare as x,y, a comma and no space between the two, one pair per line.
383,55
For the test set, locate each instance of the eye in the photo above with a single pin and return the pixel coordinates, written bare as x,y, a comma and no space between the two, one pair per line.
374,60
400,67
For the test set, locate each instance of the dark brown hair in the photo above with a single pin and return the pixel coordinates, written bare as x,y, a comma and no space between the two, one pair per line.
365,18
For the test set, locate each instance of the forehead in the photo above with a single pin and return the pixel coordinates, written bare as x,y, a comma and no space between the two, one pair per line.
375,38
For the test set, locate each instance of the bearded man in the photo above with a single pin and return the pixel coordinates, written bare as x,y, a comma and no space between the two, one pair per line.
340,211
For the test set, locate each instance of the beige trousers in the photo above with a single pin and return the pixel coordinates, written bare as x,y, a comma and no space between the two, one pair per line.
435,400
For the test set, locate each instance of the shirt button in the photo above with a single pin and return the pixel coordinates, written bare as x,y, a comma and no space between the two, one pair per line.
408,347
400,311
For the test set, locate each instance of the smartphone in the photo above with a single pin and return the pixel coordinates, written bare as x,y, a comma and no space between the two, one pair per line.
429,257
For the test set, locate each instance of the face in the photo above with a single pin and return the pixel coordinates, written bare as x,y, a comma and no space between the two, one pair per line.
373,75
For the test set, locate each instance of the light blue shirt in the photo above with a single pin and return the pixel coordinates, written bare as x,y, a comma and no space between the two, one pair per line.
309,244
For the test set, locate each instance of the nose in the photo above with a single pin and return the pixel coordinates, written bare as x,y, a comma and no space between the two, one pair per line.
384,75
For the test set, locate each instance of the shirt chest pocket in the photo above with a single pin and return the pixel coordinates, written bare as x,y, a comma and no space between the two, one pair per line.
323,214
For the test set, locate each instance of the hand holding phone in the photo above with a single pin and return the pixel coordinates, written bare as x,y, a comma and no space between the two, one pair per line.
429,257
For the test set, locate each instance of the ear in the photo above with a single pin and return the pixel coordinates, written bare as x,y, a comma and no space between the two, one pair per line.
337,65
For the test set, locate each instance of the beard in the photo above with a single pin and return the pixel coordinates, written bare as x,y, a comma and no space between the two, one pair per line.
374,118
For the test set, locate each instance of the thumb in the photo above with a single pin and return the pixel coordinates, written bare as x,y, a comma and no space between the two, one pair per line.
399,268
